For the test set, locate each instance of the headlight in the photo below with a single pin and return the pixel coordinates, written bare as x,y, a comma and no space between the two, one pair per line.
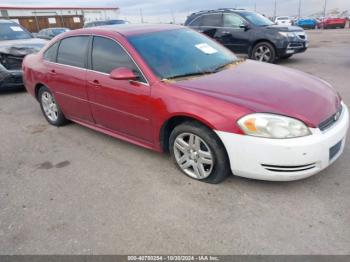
287,34
272,126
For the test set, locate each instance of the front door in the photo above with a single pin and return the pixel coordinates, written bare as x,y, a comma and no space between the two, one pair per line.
233,34
121,106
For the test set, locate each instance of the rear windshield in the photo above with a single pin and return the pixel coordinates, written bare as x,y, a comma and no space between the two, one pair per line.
11,31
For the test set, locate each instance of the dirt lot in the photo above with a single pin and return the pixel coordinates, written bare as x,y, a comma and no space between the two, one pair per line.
71,190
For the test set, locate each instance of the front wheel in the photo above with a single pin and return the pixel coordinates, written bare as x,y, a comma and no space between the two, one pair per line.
199,153
264,52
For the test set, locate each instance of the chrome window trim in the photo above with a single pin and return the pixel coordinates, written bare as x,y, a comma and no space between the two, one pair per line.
223,13
87,69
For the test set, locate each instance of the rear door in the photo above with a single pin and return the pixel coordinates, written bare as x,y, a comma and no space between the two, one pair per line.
122,106
210,24
68,78
233,34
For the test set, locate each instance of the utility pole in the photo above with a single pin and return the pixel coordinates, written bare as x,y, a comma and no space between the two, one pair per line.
141,15
275,11
299,10
255,7
172,15
325,8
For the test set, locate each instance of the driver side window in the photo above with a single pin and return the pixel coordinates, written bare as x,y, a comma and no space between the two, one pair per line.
108,55
233,21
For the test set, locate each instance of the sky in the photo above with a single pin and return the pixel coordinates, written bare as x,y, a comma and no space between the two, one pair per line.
168,10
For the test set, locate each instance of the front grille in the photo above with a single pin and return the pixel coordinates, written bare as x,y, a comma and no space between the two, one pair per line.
289,169
11,62
329,122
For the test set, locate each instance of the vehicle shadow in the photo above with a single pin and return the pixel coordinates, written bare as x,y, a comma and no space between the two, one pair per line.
13,91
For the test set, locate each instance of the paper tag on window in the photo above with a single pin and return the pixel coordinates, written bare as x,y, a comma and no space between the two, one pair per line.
16,28
206,49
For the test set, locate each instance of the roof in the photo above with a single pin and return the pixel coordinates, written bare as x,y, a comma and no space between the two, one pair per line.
219,10
57,7
130,29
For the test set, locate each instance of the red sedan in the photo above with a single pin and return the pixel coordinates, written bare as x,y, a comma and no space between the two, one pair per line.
327,23
169,88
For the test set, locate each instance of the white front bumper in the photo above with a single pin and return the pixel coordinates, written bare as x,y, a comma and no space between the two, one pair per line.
285,159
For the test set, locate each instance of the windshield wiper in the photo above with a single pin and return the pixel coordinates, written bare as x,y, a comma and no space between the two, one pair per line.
222,67
189,75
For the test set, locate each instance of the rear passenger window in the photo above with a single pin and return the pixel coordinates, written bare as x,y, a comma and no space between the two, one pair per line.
212,20
108,55
72,51
51,53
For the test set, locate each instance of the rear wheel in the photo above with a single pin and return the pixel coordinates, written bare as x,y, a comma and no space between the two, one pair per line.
199,153
264,52
50,108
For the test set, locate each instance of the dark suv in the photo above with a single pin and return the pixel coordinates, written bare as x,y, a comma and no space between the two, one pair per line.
250,33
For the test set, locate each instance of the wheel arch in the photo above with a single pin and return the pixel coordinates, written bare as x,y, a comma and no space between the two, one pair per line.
258,42
37,88
175,120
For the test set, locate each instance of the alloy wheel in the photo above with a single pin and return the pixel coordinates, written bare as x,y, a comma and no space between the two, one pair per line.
263,54
193,156
49,106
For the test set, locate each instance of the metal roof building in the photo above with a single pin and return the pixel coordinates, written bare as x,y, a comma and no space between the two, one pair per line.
37,18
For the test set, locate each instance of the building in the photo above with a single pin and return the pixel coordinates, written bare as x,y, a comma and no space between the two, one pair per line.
37,18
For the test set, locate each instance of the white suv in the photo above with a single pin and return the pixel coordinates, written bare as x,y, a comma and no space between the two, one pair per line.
283,20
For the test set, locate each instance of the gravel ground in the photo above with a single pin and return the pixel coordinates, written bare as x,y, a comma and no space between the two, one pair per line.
72,190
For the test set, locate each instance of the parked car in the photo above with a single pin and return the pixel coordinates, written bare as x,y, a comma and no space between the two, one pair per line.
283,20
169,88
250,33
306,23
331,23
15,43
105,22
50,33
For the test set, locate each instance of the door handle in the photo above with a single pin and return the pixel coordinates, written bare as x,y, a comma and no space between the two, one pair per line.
53,72
225,32
95,83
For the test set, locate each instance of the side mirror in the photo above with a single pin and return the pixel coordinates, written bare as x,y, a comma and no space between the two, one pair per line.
246,27
122,73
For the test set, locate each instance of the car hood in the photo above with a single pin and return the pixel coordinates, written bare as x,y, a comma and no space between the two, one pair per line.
21,47
262,87
284,28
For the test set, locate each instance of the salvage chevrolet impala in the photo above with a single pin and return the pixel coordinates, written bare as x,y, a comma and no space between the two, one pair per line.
169,88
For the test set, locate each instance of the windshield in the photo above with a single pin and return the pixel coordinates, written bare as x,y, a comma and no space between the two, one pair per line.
11,31
181,52
257,19
58,31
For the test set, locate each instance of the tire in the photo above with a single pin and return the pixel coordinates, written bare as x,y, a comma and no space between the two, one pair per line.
285,57
199,153
264,52
50,108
